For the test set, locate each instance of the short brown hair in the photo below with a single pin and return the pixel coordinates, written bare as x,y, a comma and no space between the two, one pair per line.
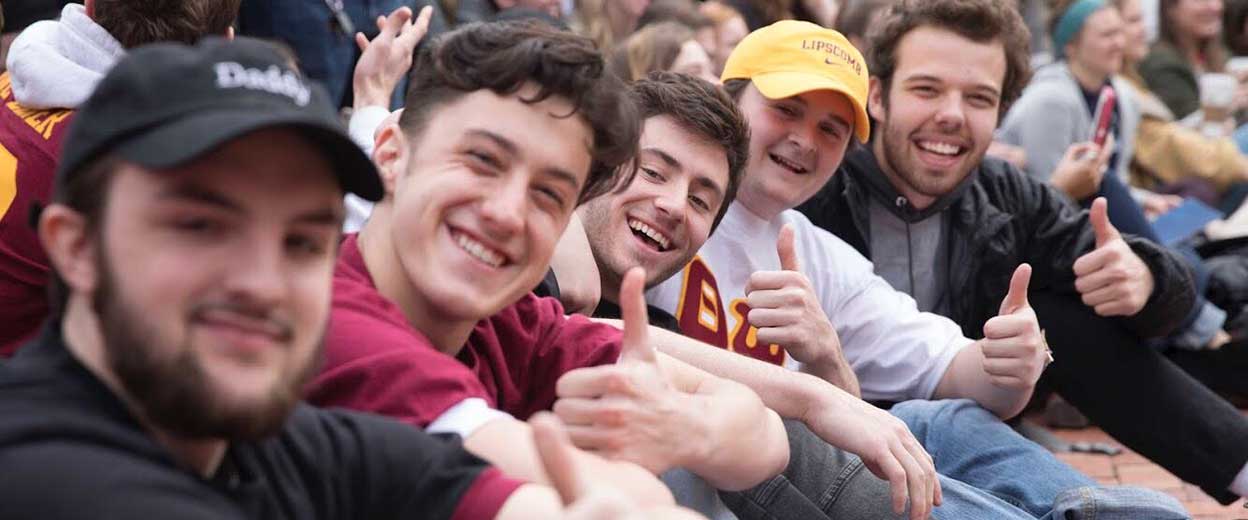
679,11
503,57
654,47
703,109
139,22
980,21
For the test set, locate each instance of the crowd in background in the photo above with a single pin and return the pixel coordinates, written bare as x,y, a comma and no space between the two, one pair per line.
1147,326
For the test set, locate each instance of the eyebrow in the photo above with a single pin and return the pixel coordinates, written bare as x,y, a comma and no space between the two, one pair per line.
199,195
511,149
500,141
700,180
929,77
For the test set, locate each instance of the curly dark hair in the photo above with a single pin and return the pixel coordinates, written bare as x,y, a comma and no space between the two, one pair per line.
140,22
701,108
977,20
503,57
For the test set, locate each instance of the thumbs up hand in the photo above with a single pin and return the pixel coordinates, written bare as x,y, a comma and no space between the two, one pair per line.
629,411
1014,349
1111,278
582,501
784,308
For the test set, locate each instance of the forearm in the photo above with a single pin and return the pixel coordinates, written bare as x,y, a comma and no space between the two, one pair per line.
745,442
508,445
836,372
966,379
789,393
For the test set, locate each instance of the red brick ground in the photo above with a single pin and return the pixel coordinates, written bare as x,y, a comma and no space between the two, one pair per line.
1130,468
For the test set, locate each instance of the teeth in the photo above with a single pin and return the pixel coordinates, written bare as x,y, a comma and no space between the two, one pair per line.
788,164
478,250
940,148
650,232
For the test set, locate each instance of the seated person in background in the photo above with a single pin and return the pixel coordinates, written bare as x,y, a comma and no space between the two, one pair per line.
1167,153
1054,116
54,66
193,255
924,190
691,162
667,46
433,322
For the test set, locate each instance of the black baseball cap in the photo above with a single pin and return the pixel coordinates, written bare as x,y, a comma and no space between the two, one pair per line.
166,104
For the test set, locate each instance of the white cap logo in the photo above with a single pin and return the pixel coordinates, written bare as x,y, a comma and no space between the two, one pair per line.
273,80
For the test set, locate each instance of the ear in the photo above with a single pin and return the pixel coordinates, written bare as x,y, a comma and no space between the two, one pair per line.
390,155
229,32
875,100
63,233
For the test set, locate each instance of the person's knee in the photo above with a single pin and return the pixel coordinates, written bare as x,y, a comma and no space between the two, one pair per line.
922,416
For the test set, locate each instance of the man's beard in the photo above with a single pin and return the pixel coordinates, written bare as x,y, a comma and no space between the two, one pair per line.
897,158
174,393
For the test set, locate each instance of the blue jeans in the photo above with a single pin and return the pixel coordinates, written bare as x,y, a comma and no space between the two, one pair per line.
972,446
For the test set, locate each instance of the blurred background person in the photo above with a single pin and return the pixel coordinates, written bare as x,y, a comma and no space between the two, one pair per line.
666,46
726,31
608,22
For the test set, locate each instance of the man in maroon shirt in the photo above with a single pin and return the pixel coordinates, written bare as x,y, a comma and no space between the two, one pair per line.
433,320
55,65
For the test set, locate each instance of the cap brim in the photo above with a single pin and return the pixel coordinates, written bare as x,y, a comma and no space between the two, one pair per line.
778,85
178,142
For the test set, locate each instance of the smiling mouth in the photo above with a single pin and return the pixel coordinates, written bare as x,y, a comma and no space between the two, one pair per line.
479,251
650,236
943,149
787,164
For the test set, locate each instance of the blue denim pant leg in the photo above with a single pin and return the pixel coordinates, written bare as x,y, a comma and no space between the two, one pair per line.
822,481
970,444
1115,503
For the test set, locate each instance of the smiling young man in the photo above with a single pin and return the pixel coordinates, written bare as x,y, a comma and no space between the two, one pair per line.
946,224
193,235
771,286
433,320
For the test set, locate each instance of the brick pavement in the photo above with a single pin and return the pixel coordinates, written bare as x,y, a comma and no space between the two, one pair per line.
1130,468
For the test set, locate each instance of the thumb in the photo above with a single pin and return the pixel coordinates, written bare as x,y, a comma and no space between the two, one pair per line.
636,345
787,248
555,451
1017,297
1099,217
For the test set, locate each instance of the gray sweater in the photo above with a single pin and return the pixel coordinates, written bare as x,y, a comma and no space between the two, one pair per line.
1051,115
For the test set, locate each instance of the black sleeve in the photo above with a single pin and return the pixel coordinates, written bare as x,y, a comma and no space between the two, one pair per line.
61,480
1060,233
390,470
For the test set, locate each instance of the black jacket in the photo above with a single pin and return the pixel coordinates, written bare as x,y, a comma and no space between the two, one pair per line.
999,218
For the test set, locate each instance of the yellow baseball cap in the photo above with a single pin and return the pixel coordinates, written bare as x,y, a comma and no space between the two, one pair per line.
789,57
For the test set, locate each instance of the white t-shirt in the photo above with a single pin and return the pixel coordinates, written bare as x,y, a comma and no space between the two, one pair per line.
897,352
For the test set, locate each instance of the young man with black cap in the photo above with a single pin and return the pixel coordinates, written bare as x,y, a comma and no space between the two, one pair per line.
946,224
193,232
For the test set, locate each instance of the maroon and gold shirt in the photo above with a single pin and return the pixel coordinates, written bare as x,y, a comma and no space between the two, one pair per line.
30,144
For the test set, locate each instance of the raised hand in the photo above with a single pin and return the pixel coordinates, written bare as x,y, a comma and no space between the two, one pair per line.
628,411
385,60
1014,350
786,312
1111,278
